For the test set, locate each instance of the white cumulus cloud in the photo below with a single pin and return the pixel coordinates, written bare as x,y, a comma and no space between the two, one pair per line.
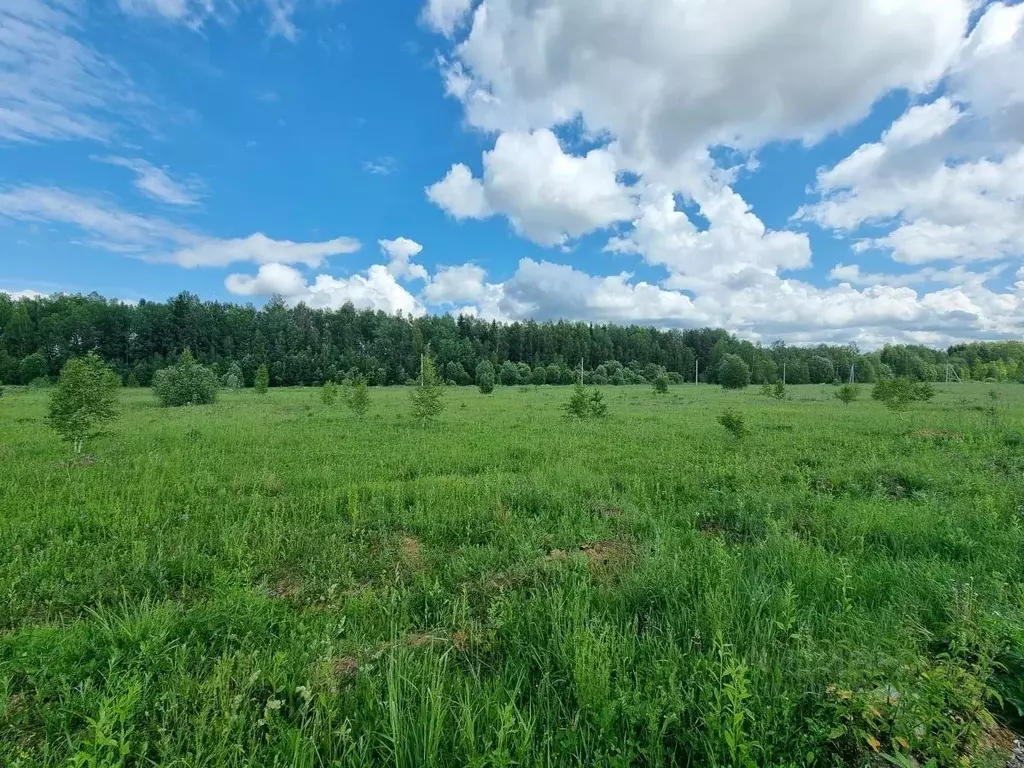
668,76
270,279
400,253
548,195
445,15
947,179
376,289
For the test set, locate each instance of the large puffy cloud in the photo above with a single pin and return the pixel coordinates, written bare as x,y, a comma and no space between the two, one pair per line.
374,289
947,179
734,248
445,15
270,280
547,194
766,307
105,225
546,290
460,194
668,76
457,284
958,275
659,82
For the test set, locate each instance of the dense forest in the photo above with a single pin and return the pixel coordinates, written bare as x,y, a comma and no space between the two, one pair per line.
304,346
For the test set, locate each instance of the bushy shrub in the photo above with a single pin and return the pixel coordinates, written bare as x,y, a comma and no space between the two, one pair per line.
187,383
734,423
509,374
234,378
661,383
456,374
924,391
848,393
32,368
329,393
733,372
85,397
779,391
898,393
357,398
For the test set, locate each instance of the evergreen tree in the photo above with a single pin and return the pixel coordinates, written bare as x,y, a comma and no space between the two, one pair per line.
427,394
579,402
486,383
261,383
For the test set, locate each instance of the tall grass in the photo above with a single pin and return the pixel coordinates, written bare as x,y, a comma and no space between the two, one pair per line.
272,581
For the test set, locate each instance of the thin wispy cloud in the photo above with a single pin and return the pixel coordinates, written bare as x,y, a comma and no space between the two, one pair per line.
382,166
53,86
103,224
157,183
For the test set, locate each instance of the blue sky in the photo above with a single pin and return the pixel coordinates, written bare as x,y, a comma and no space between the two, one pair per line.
806,169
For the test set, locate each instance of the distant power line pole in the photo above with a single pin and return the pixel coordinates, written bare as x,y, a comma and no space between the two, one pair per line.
696,371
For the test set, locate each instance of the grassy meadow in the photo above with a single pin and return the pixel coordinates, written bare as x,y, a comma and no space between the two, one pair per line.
269,581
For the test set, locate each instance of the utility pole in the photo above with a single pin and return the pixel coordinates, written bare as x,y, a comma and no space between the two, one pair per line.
423,379
852,377
581,371
783,373
696,371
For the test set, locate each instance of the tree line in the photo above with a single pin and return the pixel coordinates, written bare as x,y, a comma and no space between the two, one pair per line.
305,346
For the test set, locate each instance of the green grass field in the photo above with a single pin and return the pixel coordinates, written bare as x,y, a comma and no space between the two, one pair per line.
272,582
